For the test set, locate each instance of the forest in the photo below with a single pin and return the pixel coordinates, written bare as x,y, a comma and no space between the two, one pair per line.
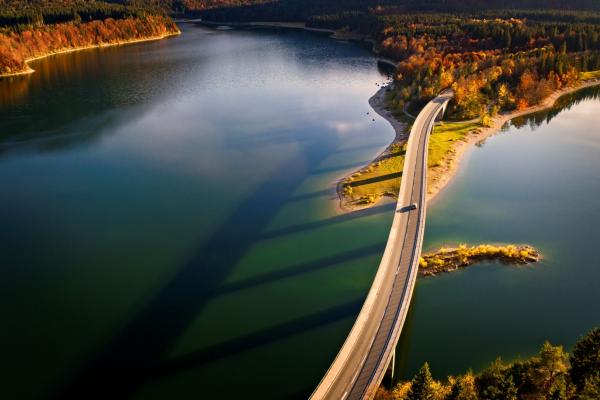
18,14
37,28
551,375
495,60
300,10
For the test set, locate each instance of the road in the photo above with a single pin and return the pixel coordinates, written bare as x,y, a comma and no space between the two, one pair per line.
364,357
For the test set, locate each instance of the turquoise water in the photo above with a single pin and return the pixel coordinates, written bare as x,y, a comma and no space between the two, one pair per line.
537,183
168,225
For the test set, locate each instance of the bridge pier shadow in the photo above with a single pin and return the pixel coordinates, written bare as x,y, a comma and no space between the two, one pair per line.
137,350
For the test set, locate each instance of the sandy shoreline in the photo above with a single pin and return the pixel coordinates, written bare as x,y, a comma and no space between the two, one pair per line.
30,70
377,103
440,177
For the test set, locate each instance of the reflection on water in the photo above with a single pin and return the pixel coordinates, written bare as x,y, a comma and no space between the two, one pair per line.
565,102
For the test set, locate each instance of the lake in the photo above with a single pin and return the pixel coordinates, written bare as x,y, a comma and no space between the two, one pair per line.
534,183
169,225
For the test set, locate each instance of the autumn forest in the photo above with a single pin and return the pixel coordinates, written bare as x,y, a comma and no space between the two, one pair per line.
49,27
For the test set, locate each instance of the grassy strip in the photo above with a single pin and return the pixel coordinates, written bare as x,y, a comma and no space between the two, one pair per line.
441,143
451,259
382,177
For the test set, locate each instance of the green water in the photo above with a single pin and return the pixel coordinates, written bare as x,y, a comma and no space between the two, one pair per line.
167,222
168,225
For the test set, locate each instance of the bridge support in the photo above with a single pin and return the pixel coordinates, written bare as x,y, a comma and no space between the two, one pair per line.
393,365
390,371
440,116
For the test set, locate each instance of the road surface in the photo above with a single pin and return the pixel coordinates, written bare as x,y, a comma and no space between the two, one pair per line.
362,361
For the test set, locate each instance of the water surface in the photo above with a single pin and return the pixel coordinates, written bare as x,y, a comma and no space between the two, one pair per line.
536,183
167,228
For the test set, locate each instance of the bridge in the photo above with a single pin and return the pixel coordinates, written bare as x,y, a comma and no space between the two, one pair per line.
362,362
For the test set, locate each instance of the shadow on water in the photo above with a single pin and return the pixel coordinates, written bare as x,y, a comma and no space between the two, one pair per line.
303,268
359,164
329,221
256,339
80,133
308,196
119,367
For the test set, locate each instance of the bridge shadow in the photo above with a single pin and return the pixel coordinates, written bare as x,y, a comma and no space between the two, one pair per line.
118,368
309,196
329,221
341,167
395,175
263,337
302,268
392,155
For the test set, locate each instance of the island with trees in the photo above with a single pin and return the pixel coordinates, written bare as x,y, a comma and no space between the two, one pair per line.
449,259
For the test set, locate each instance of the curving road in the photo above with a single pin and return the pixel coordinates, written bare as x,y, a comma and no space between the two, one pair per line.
362,361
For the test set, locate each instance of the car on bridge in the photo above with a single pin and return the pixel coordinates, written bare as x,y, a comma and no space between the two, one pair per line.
411,207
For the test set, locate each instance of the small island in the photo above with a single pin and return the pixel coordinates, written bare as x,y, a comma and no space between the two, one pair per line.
453,259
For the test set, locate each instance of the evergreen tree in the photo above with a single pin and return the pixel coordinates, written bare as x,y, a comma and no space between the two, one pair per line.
507,39
422,385
591,389
495,384
585,360
464,388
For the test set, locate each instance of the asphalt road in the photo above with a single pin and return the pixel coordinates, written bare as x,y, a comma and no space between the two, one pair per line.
362,361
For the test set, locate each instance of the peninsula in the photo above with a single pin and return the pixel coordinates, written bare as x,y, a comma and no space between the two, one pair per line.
501,63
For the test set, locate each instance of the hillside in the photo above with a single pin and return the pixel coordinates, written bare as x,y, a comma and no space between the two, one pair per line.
33,29
298,10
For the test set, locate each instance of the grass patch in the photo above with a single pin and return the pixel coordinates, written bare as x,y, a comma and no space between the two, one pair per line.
441,143
382,178
590,75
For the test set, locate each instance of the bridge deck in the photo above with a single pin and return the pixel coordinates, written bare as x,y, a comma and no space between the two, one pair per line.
360,365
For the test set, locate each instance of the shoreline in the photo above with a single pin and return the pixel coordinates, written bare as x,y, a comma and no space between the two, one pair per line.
377,103
333,34
439,178
258,24
30,70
